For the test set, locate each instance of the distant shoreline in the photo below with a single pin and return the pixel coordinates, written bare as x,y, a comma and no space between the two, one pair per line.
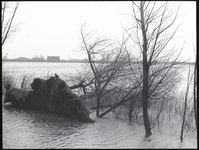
75,61
61,61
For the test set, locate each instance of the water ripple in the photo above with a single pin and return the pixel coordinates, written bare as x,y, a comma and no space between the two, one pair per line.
32,129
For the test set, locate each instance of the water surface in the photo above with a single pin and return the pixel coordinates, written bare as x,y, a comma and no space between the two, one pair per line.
36,129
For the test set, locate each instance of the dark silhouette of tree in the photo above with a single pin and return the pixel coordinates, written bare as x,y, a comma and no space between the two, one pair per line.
152,21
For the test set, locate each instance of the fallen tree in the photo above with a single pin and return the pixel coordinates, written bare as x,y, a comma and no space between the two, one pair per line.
52,95
126,98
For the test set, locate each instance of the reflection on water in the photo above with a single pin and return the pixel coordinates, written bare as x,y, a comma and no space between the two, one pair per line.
36,129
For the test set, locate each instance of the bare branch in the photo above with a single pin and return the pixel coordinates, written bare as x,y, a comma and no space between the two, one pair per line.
7,29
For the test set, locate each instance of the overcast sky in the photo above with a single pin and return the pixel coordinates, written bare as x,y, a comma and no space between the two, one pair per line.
53,28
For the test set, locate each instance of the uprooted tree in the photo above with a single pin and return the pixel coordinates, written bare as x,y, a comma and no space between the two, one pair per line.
52,95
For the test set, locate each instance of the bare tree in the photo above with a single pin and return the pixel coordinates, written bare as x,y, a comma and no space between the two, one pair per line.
8,13
152,22
106,62
185,104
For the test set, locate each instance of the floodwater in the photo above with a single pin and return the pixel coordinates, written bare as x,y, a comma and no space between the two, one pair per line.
37,129
34,129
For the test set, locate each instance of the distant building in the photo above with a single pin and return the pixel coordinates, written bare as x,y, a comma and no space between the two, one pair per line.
23,59
53,58
37,59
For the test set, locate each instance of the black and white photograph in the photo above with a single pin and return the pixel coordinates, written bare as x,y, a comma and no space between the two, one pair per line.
99,75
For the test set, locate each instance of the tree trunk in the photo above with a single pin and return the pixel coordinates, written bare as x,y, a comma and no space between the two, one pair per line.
195,93
98,91
145,75
130,111
98,106
185,106
145,98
